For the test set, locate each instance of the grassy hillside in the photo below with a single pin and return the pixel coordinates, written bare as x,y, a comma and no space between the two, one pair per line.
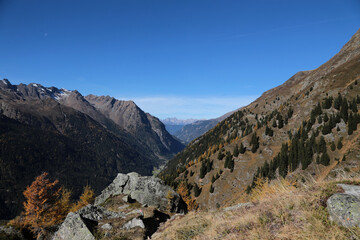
302,126
280,210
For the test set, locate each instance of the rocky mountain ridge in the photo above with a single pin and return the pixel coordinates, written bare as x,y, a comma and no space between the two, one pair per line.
59,131
148,129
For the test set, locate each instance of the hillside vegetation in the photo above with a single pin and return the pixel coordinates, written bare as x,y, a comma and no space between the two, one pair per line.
307,125
280,210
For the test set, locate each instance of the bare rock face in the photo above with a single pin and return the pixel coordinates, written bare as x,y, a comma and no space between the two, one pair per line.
344,208
75,228
146,190
146,128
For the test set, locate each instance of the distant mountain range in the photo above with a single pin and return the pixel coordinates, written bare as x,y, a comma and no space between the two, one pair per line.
173,125
78,140
175,121
190,129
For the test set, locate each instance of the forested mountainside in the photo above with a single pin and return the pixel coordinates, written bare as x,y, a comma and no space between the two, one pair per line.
305,127
60,132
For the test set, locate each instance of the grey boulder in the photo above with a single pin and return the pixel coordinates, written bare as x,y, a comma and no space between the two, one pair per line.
75,228
135,222
144,189
344,208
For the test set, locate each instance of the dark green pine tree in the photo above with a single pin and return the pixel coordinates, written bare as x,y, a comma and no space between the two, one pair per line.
203,170
211,189
231,165
326,118
236,151
320,119
290,113
242,149
339,145
332,146
221,155
352,124
344,110
325,159
254,143
283,165
353,106
322,145
197,190
274,125
338,102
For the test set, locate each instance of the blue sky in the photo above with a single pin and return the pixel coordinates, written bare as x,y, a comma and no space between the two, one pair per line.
174,58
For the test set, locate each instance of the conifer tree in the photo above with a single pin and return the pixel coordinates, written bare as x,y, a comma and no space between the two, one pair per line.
242,149
344,110
339,145
274,125
332,146
41,206
236,150
197,190
353,106
326,118
86,198
213,179
320,119
283,166
338,102
254,143
211,189
203,170
325,159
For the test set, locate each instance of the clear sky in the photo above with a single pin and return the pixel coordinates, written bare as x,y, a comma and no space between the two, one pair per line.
174,58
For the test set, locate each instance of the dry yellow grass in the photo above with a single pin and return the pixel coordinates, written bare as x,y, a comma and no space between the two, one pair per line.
282,210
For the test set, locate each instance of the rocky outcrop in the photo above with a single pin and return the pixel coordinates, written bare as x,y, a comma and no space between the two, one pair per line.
74,227
97,218
97,213
146,190
344,208
135,222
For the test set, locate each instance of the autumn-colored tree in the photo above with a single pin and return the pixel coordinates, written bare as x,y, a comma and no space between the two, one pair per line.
64,203
183,191
86,198
41,206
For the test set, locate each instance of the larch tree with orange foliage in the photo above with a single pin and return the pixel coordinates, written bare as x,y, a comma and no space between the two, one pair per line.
86,198
183,191
41,203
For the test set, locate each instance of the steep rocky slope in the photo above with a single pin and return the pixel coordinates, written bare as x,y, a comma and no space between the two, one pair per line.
58,131
301,127
148,129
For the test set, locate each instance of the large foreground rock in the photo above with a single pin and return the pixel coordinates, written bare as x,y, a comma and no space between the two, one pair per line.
74,227
344,208
146,190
